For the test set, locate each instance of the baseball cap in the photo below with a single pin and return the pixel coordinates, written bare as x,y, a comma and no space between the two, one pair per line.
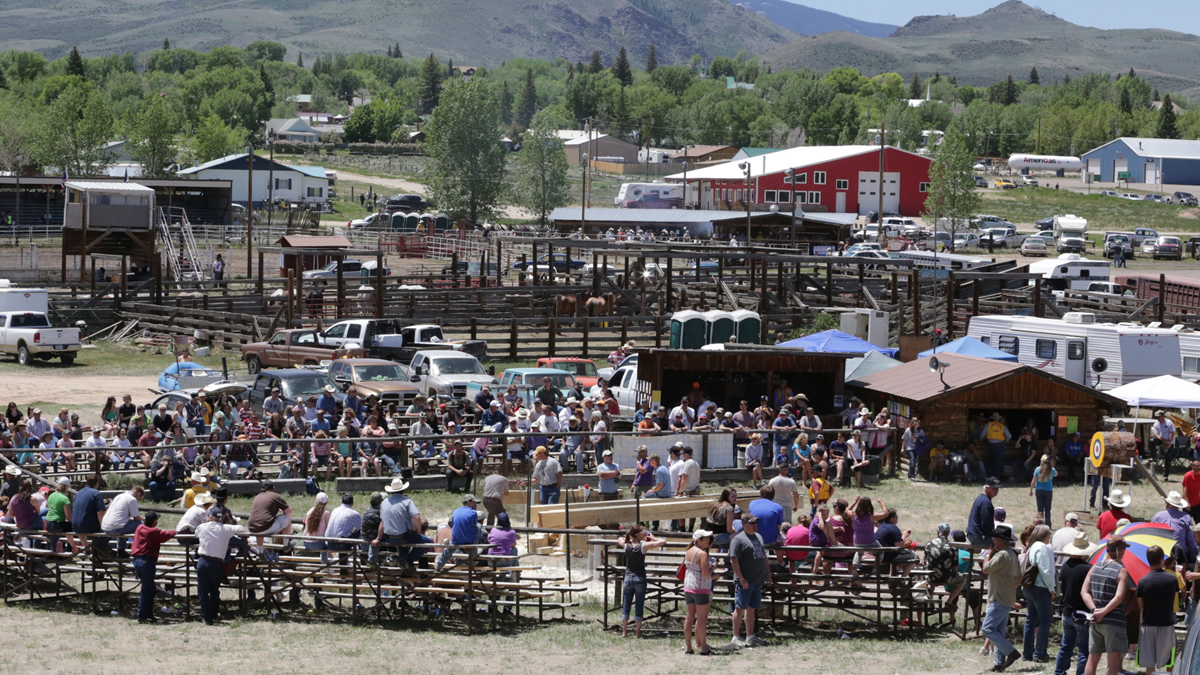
749,520
1072,517
64,481
992,482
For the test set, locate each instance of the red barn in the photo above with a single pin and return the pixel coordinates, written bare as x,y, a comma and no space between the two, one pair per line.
835,179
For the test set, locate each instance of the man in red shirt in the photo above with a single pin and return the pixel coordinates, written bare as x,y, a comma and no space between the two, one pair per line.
146,541
1118,501
1191,485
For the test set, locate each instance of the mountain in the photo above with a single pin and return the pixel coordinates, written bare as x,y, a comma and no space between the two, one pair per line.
1008,39
472,32
810,21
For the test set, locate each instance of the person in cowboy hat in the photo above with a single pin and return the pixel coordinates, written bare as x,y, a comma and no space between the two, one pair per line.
1103,594
1162,440
12,481
1075,625
328,400
199,484
1181,523
1118,501
400,523
1003,570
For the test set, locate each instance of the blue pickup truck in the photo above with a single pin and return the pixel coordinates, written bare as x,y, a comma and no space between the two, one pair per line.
528,381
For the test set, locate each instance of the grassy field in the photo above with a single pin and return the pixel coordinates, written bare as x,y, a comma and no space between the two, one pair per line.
1027,204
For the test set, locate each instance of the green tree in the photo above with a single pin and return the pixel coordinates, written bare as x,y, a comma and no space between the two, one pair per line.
952,199
914,87
74,129
3,80
299,59
506,104
396,52
540,179
431,83
836,120
214,139
15,137
596,64
152,138
675,80
27,66
166,44
466,158
75,63
267,84
651,59
846,80
360,128
1167,126
527,104
1033,76
1010,91
266,50
621,69
1126,104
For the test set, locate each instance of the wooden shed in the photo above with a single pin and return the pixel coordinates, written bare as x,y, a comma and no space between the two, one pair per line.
969,389
298,259
739,372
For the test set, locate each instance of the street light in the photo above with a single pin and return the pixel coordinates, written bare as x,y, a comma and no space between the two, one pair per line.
745,166
583,162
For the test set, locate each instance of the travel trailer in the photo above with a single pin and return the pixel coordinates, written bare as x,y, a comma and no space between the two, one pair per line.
1102,356
1070,272
650,195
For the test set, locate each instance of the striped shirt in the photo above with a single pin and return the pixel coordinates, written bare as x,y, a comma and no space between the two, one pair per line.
1105,578
254,431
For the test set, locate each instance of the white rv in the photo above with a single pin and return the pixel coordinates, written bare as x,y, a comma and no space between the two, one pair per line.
1070,272
1102,356
650,195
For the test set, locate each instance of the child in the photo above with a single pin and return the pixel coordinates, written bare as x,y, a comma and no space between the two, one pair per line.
754,454
287,466
939,458
820,492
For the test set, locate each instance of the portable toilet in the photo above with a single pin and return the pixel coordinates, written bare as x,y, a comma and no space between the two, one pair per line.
441,222
749,326
689,330
411,221
720,326
399,222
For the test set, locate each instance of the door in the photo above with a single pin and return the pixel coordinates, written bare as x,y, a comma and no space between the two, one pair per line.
841,203
1076,368
869,187
1151,172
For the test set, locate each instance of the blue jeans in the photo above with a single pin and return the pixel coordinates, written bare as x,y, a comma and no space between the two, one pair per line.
1044,499
914,458
390,463
411,554
1096,480
317,546
1074,636
994,624
208,579
549,494
996,454
144,568
633,597
747,598
244,464
1037,623
129,528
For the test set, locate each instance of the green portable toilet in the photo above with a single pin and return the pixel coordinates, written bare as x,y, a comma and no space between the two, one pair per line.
441,222
398,222
721,326
691,328
411,221
749,326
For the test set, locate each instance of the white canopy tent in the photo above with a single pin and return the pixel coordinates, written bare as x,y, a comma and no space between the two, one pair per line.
1164,391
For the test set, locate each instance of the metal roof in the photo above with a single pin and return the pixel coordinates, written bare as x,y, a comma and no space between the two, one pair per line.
1156,147
314,171
106,186
778,162
313,241
663,216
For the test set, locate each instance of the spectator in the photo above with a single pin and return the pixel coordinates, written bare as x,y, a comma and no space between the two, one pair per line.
214,537
787,495
1065,535
858,458
689,475
1163,441
820,491
1191,488
547,474
754,457
1038,596
147,539
939,457
697,590
316,524
370,525
503,540
748,559
196,515
343,523
942,561
1181,523
495,488
1118,501
400,524
1075,623
798,534
643,477
87,511
269,514
637,542
1157,593
1003,570
981,521
997,436
122,518
1104,594
722,516
58,515
465,531
460,465
1043,486
914,444
768,515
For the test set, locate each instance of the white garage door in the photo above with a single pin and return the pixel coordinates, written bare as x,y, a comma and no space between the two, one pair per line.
869,188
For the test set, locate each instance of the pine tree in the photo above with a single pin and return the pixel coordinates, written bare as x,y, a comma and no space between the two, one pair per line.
914,87
1156,97
300,59
75,63
620,115
596,64
1126,104
1131,73
1033,76
506,104
166,44
3,80
389,51
621,69
651,59
570,72
579,69
268,85
527,105
450,71
1167,127
1067,78
396,52
1010,91
431,83
937,77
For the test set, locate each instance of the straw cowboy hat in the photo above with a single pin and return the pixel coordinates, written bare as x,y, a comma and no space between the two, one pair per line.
995,417
197,477
1119,499
397,485
12,470
204,498
523,413
1175,499
864,410
1080,547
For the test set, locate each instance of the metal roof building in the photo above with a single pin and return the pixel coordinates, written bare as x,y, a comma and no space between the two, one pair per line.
1145,160
831,227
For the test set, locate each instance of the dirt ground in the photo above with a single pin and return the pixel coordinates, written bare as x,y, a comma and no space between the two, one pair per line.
70,390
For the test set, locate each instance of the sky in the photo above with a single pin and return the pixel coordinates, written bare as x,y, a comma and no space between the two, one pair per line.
1171,14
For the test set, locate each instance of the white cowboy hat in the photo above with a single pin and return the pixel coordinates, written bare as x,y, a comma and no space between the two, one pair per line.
1175,499
864,410
397,485
197,477
1119,499
204,498
1080,546
995,417
523,413
12,470
330,388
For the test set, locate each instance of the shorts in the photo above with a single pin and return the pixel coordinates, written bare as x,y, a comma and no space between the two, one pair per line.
904,557
1107,637
322,460
697,598
1155,646
747,598
58,526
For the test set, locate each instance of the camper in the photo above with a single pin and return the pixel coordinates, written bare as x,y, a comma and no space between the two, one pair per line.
1101,356
1070,232
1070,272
655,195
943,262
17,299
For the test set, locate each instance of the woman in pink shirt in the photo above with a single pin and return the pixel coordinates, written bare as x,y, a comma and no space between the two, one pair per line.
697,591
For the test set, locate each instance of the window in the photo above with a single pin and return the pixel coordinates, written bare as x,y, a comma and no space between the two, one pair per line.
924,187
785,197
1075,350
801,197
316,192
769,196
1010,344
1191,364
354,331
801,179
336,331
814,198
818,178
1046,349
283,183
843,184
986,339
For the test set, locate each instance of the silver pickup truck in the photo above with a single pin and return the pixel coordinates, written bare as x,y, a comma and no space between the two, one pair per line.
29,336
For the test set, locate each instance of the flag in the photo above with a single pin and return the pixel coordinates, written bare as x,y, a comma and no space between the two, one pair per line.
126,174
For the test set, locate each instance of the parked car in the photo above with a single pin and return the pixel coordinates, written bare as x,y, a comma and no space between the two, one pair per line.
1185,198
445,374
654,201
1168,247
1192,247
1034,246
1111,288
1029,180
980,181
527,381
293,347
873,216
966,240
1046,237
1114,241
1154,198
1149,247
1141,234
584,370
1000,237
372,220
877,255
1131,196
983,220
1044,223
561,264
863,246
1108,193
375,377
407,204
295,384
29,336
1004,184
1070,243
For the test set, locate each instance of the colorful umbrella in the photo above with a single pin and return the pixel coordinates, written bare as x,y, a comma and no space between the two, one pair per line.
1140,537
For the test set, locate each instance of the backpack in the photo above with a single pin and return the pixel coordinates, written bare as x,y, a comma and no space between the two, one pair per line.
311,486
1029,572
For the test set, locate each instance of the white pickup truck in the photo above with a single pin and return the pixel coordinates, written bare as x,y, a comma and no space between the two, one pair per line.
29,336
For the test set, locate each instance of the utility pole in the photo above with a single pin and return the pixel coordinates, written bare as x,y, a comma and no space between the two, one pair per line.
882,145
649,136
250,212
271,181
587,196
685,183
583,197
1039,136
745,166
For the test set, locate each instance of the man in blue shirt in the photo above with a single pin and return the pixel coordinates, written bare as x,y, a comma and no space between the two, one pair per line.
321,423
785,427
1074,451
464,530
326,401
981,522
88,510
494,417
769,514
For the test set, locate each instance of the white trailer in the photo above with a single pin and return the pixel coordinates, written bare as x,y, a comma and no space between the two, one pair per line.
1070,272
1102,356
16,299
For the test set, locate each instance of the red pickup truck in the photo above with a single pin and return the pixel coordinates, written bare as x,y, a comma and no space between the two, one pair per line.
584,370
293,347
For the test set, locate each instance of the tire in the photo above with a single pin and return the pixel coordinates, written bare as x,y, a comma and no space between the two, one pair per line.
68,359
24,358
254,365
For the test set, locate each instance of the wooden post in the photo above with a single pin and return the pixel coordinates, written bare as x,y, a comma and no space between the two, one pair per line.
499,267
93,281
258,285
536,274
625,277
512,340
1037,299
124,280
291,278
642,286
550,259
454,267
895,288
778,279
474,328
658,322
624,329
668,304
339,297
951,292
762,305
862,273
587,326
550,337
380,288
829,284
524,270
915,281
1162,296
752,263
595,273
721,274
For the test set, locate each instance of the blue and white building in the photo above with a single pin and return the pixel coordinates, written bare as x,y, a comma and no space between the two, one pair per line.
1145,160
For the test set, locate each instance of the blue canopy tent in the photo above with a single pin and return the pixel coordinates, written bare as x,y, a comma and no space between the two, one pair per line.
169,379
969,346
837,341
